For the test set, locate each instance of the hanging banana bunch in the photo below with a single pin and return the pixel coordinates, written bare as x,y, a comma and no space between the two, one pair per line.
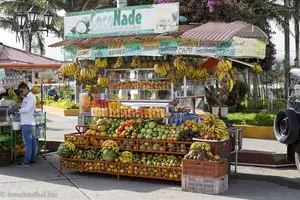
226,71
103,82
223,68
136,62
162,68
180,64
87,74
119,63
68,69
101,63
257,68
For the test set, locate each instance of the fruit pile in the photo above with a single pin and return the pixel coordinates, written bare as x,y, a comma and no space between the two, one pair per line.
201,151
144,113
213,128
141,129
157,160
110,150
90,154
141,85
131,170
126,157
70,164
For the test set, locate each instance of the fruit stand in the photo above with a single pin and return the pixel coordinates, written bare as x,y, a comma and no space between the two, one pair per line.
139,110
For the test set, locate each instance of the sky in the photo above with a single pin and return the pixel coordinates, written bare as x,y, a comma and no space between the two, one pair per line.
8,38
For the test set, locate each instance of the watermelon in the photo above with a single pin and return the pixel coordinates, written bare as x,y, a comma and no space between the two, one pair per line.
63,151
152,125
109,155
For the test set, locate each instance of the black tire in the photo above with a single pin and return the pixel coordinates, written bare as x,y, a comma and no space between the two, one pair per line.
297,156
286,126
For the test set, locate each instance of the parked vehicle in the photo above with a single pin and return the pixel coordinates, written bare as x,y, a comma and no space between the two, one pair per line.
287,122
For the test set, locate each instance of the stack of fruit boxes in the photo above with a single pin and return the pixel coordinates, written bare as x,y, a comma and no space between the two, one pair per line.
208,177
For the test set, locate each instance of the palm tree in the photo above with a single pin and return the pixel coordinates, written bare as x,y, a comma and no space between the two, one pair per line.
8,11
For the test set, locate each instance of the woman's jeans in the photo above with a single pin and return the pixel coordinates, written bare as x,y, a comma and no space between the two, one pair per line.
30,142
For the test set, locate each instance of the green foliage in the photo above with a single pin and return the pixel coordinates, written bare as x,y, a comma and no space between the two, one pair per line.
254,119
243,90
61,103
279,104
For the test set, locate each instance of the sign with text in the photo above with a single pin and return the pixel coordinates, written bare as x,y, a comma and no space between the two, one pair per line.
133,20
247,47
236,48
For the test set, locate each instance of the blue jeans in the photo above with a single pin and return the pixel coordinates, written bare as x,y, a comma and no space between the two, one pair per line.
29,140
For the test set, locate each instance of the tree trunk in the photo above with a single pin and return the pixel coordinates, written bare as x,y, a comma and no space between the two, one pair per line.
26,42
249,84
286,49
255,87
296,21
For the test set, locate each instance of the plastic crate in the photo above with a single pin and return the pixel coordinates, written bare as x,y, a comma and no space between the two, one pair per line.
221,148
205,185
4,156
203,168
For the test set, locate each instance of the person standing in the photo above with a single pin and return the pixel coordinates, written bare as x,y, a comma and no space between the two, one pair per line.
28,124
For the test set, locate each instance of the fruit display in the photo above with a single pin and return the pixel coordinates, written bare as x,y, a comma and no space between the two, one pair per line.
213,128
144,113
68,69
201,151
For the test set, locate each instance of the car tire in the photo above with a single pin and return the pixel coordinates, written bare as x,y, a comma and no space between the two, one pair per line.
286,126
297,156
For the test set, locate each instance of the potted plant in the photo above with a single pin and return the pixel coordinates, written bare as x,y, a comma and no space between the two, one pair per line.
212,99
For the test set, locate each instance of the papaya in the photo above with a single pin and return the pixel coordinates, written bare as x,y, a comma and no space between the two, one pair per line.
101,128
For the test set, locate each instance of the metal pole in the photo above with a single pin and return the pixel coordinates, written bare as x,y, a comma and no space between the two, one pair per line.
286,48
30,42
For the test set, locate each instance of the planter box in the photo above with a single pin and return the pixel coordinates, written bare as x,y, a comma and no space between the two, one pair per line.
258,132
61,111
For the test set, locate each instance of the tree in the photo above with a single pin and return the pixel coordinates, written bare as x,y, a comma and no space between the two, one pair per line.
8,11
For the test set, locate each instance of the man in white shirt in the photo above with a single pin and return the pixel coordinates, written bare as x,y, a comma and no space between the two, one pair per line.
28,124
